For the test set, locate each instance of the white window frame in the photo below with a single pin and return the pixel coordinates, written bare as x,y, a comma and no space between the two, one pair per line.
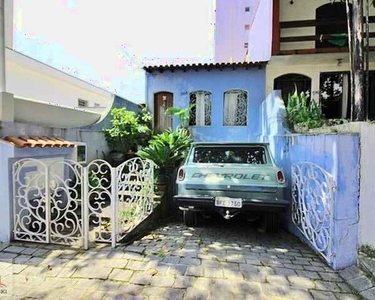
200,108
235,106
81,145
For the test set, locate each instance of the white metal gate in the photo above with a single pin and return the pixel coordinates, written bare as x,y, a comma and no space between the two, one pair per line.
313,191
67,203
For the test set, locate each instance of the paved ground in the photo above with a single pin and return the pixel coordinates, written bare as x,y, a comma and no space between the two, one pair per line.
362,278
218,261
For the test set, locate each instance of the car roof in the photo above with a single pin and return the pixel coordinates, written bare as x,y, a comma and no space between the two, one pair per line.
224,144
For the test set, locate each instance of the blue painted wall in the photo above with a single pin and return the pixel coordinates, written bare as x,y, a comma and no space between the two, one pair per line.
338,154
217,82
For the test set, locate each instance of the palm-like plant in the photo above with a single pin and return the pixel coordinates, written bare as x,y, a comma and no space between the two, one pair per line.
167,149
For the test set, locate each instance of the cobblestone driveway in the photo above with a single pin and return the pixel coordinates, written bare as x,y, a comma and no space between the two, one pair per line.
218,261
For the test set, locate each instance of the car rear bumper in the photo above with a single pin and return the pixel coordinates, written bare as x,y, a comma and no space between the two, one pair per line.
207,203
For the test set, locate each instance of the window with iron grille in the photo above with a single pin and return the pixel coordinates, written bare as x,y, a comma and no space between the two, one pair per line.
235,108
200,113
247,8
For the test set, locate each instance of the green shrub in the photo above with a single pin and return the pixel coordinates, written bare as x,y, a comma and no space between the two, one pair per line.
128,129
368,250
167,149
303,113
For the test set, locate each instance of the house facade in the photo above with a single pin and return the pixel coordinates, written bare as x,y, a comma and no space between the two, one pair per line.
226,99
310,51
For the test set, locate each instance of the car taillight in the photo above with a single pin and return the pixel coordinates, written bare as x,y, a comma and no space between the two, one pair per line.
280,177
181,174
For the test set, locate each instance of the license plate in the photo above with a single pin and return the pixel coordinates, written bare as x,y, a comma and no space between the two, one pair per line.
228,202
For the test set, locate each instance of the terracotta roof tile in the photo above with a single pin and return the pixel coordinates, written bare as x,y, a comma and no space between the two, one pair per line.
208,66
34,141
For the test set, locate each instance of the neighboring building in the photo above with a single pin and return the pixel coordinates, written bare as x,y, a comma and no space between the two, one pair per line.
310,51
233,22
227,99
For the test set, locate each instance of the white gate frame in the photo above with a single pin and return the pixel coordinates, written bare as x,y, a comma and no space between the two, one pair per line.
313,194
105,191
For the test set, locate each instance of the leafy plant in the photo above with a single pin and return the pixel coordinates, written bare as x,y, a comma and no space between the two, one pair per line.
128,129
368,250
145,119
183,114
167,148
303,113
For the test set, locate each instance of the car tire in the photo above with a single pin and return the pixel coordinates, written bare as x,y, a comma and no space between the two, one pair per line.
190,218
271,222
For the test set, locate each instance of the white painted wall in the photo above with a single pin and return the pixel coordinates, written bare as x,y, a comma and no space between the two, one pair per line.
26,77
310,65
367,186
6,151
304,10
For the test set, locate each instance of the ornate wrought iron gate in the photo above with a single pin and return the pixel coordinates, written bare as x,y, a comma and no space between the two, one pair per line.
66,203
313,191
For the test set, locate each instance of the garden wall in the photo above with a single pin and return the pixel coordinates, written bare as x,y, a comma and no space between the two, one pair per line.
339,155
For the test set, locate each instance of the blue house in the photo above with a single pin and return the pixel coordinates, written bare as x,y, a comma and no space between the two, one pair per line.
227,99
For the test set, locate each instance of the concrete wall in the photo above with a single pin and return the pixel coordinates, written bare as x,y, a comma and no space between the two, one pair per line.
367,186
91,135
8,155
230,33
181,84
26,77
339,155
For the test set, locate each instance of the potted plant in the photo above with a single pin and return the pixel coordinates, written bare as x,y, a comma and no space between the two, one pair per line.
303,114
127,131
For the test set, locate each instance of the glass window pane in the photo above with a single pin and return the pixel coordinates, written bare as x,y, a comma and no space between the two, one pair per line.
230,154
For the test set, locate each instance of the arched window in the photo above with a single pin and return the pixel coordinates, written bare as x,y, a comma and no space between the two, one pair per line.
332,21
235,108
288,82
200,114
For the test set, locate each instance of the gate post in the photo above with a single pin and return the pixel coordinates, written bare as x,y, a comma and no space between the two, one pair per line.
113,207
48,206
85,209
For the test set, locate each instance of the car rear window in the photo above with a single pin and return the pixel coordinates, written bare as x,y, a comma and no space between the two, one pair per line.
230,155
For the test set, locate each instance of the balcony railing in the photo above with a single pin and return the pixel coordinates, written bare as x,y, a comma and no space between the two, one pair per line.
298,37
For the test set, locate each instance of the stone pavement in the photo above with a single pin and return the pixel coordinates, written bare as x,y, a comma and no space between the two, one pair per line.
362,277
222,260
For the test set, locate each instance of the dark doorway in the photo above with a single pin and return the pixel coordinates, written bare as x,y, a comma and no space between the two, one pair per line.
335,95
371,104
335,23
162,121
287,84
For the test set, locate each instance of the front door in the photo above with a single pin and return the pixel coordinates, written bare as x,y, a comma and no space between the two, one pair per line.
162,121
